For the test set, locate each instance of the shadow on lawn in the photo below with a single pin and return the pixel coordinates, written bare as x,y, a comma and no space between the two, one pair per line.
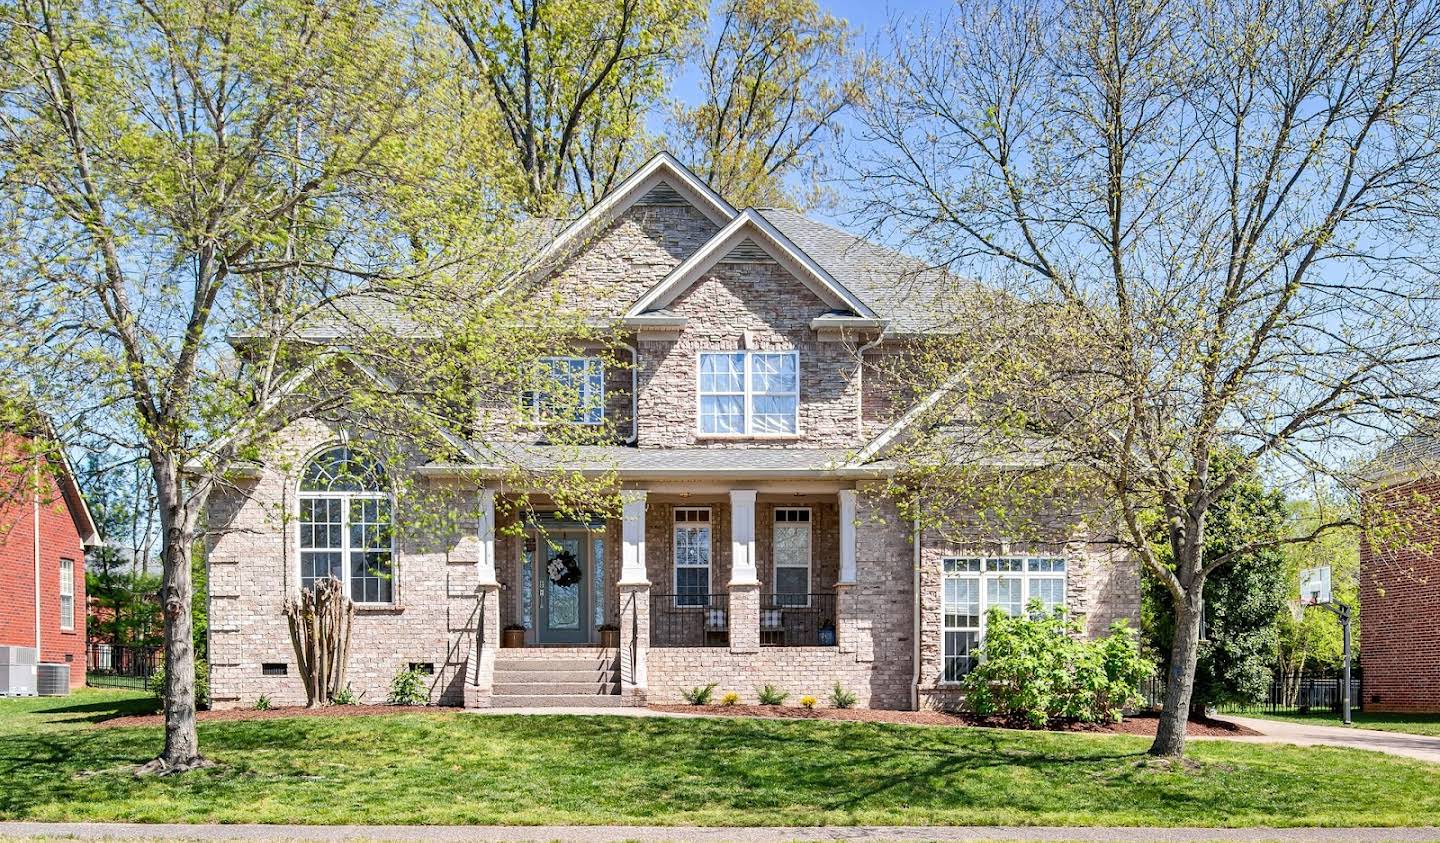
103,710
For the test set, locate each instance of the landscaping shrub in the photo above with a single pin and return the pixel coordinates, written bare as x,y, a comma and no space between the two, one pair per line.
701,695
730,698
155,684
408,688
841,698
1035,669
770,695
262,703
807,701
345,696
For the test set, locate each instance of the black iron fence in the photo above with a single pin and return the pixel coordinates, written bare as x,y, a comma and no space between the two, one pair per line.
113,666
689,620
1288,693
797,620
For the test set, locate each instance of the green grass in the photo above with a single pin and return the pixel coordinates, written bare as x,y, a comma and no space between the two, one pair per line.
1415,724
453,767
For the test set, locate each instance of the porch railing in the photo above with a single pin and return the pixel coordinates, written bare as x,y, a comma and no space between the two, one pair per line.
689,620
797,620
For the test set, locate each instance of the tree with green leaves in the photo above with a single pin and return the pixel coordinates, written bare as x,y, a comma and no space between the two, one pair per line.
223,218
1312,638
1242,601
775,78
1204,223
572,81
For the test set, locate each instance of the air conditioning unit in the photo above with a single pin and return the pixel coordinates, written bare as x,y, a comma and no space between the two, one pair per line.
53,680
17,671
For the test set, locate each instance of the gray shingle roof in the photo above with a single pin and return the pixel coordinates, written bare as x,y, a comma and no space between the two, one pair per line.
1414,455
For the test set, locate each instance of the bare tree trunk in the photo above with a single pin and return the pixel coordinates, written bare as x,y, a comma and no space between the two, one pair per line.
182,744
1184,653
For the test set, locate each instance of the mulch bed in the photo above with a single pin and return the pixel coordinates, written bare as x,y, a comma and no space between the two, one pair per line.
1138,724
282,711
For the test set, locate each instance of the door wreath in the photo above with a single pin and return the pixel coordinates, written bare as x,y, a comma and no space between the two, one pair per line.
564,571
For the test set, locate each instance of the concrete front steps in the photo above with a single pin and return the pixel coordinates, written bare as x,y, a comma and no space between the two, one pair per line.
558,677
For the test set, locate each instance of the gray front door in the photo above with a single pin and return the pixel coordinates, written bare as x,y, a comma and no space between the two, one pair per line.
564,589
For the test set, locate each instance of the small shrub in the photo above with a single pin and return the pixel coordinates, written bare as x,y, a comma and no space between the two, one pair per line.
345,697
807,701
770,695
408,688
155,683
700,695
730,698
1035,669
841,698
262,703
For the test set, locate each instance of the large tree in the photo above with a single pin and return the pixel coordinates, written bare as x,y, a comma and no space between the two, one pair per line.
573,81
775,77
221,217
1211,222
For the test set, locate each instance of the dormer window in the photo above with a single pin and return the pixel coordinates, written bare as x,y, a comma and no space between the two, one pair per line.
749,393
577,394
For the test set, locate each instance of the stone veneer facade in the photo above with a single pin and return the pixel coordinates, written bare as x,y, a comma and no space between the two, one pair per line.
447,614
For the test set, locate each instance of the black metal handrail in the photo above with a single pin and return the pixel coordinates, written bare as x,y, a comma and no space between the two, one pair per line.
797,620
689,620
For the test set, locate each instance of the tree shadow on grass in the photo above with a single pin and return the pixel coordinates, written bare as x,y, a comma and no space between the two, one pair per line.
103,710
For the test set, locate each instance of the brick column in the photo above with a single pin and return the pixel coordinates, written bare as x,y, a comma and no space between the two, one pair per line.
634,587
744,617
744,578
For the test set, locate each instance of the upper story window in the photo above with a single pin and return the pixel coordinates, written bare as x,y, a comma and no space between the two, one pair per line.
577,391
972,587
67,594
345,525
749,393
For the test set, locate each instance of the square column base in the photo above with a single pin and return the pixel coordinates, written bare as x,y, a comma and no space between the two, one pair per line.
634,637
745,617
480,667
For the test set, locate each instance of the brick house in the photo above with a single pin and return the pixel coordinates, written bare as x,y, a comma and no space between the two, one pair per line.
1400,581
752,427
45,527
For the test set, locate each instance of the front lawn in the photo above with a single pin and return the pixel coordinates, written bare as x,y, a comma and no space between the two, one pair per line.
1415,724
452,767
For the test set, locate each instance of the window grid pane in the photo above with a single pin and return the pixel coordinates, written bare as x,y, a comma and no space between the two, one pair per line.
972,586
692,557
748,393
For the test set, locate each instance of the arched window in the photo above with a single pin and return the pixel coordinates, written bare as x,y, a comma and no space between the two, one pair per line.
345,525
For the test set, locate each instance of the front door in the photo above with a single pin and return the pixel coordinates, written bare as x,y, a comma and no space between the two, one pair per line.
564,578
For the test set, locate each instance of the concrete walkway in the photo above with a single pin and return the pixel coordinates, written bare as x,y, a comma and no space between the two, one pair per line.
683,834
1304,734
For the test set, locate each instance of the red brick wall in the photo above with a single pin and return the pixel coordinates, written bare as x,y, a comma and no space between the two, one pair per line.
1400,605
58,539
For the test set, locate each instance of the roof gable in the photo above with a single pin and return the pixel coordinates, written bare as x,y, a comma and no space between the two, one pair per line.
749,233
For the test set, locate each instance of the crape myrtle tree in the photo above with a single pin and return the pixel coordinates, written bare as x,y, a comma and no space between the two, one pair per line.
1209,227
223,217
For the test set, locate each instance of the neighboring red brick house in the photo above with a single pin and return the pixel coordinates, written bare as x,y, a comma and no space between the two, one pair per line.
1400,582
52,510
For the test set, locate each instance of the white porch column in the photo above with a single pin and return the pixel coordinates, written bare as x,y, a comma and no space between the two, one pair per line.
486,533
632,553
847,536
742,538
634,596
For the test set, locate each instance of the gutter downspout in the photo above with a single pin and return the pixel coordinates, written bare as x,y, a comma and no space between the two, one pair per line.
915,632
35,517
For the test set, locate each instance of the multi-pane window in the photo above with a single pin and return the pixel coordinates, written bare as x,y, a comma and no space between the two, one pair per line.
790,546
972,587
67,593
346,526
576,392
754,393
692,556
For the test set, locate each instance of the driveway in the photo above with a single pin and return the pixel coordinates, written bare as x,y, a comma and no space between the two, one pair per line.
1303,734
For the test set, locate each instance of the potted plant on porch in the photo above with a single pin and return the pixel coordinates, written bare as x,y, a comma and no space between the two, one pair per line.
609,636
512,636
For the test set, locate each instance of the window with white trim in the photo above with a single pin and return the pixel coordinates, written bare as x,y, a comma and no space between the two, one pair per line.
577,391
692,556
749,393
67,594
346,530
790,547
971,587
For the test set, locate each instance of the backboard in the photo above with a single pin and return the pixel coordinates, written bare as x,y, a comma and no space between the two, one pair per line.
1315,586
